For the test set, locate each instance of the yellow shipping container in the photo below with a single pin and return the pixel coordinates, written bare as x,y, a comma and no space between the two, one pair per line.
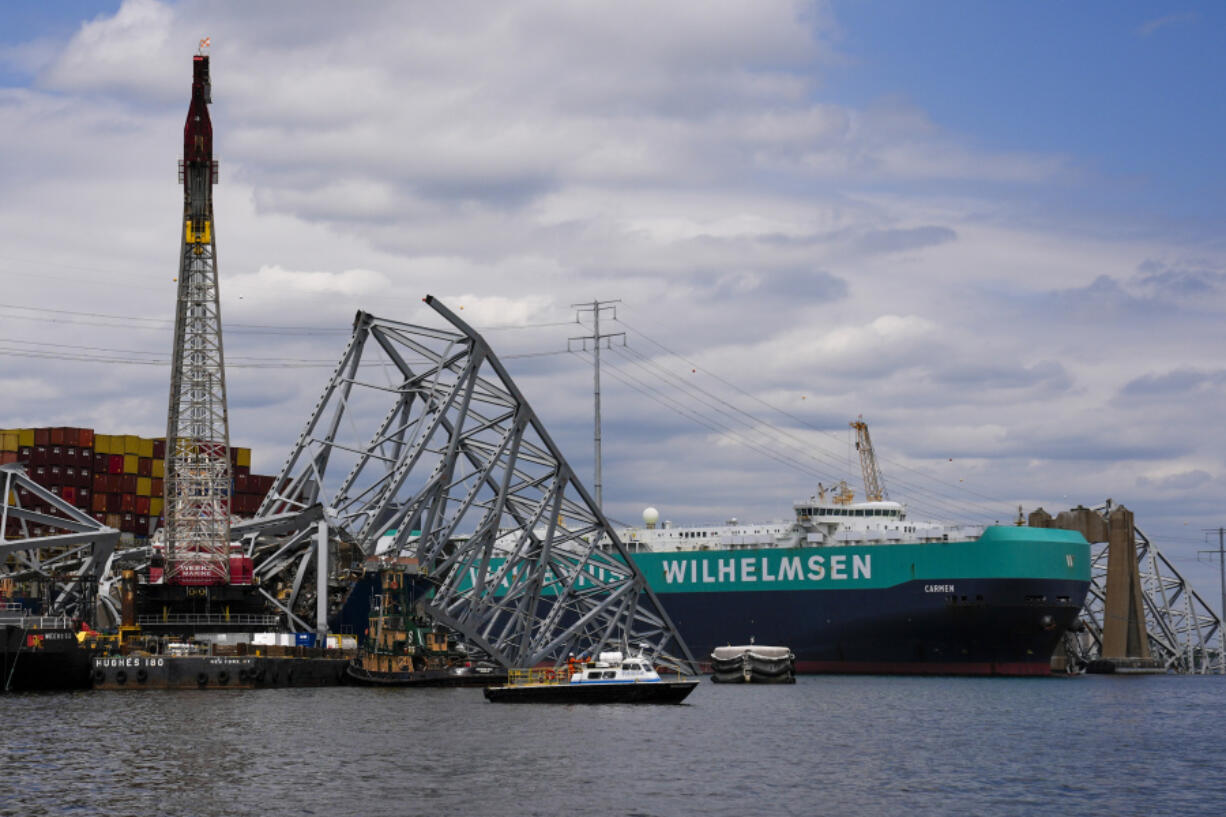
144,486
25,438
243,458
102,443
159,469
8,441
131,463
131,445
155,506
146,448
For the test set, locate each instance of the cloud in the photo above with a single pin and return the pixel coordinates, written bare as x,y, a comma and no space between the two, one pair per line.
1176,383
1183,481
1150,26
777,249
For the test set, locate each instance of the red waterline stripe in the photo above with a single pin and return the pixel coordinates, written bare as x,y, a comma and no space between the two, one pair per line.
924,668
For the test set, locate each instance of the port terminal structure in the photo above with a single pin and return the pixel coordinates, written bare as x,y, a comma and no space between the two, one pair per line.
421,448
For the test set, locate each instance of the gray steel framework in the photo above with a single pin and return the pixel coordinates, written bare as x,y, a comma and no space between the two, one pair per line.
197,483
1185,634
421,445
69,556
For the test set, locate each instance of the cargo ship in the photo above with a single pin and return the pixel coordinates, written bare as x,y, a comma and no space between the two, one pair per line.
858,587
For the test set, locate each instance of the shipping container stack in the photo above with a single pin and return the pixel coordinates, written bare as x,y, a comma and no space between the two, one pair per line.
117,478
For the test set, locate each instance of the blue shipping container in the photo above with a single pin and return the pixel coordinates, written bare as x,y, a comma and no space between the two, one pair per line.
304,639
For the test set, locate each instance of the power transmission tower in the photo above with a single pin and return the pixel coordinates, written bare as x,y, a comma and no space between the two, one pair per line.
596,307
1221,562
197,427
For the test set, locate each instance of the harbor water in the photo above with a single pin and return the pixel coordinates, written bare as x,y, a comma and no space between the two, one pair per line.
838,745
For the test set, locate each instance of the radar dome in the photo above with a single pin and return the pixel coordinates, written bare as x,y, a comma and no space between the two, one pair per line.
651,516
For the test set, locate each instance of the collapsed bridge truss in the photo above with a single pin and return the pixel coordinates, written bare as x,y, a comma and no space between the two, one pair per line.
46,541
422,446
1184,633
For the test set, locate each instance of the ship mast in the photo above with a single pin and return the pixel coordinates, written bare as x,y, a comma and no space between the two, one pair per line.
874,486
197,499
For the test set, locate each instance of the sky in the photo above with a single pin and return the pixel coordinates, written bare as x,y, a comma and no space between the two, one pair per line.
995,231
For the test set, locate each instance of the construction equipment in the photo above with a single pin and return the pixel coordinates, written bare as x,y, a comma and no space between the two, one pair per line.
874,486
197,484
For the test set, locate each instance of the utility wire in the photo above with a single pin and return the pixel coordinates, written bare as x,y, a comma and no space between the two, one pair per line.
796,456
794,418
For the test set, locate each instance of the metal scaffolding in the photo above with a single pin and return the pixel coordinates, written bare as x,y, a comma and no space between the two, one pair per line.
1184,633
422,446
62,549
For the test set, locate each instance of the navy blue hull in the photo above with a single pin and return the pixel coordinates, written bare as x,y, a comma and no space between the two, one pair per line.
991,627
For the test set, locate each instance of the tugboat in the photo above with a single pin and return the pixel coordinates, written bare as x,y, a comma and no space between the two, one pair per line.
40,652
612,678
403,648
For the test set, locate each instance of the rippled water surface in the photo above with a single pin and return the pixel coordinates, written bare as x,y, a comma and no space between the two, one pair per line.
828,745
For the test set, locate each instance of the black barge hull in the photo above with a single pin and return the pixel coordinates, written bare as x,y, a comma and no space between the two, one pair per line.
216,672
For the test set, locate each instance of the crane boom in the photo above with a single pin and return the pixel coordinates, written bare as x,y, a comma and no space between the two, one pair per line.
874,486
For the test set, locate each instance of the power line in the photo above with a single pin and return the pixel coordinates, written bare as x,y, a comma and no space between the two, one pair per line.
789,415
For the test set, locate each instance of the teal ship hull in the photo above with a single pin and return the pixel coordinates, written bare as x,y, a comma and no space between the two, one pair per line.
996,605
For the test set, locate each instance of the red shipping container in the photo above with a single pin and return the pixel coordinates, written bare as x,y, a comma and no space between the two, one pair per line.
85,437
57,436
70,454
55,454
42,436
24,453
114,483
8,457
128,523
99,483
127,483
83,495
144,467
127,502
240,484
142,505
40,455
69,475
157,487
159,449
69,494
99,515
241,471
55,473
98,506
85,457
114,465
101,463
114,503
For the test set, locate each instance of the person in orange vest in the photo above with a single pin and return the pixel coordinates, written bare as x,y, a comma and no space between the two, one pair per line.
572,666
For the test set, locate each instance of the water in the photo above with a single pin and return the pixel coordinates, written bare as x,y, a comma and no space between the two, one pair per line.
828,745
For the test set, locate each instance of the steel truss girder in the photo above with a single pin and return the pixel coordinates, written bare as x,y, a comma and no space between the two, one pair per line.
460,474
1184,633
72,560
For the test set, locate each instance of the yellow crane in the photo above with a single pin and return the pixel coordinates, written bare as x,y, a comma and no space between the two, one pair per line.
874,486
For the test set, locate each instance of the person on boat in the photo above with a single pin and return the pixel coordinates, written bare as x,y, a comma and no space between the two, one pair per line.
572,666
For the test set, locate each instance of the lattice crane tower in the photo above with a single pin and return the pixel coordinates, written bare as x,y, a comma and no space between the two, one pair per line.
874,485
197,484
